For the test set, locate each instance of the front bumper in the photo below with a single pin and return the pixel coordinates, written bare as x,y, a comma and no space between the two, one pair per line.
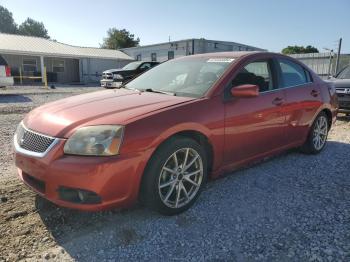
106,83
115,180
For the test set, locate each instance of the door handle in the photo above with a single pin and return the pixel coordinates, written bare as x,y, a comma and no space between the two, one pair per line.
314,93
278,101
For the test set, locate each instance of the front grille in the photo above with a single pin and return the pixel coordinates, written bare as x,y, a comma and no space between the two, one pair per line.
32,141
343,104
343,90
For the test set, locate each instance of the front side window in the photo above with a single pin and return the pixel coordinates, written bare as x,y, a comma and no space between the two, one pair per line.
292,73
29,65
255,73
185,77
58,66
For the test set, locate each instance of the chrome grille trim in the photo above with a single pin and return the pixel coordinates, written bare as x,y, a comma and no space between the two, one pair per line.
36,144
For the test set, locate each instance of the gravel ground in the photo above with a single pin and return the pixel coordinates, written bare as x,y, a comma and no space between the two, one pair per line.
292,207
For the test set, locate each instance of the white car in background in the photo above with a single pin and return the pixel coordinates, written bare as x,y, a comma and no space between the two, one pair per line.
5,73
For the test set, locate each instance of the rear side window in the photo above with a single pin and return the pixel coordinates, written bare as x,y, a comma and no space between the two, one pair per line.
293,74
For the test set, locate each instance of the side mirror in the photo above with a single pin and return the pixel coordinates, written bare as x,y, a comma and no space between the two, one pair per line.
245,91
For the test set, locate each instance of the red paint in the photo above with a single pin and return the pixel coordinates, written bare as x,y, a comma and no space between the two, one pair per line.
239,130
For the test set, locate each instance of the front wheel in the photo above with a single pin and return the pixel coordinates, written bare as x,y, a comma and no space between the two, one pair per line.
175,176
317,137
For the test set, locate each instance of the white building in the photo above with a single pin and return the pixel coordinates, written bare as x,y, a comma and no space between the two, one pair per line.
165,51
27,55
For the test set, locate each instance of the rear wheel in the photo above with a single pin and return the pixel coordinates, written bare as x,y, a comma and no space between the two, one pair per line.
317,137
175,176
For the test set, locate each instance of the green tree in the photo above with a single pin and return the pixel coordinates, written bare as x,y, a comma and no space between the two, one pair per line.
33,28
119,39
299,50
7,24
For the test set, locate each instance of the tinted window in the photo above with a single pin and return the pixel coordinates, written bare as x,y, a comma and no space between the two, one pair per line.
293,74
256,73
145,66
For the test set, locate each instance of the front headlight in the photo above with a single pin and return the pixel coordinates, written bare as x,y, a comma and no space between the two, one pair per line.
118,77
101,140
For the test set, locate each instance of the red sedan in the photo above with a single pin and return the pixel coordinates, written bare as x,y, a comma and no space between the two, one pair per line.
161,136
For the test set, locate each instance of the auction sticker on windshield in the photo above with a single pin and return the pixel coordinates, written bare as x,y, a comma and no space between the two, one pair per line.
220,60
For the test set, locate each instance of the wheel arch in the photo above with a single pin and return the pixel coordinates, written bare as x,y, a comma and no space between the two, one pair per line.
200,137
328,113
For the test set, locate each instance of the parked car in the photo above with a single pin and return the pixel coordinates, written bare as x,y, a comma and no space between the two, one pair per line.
342,85
5,73
160,137
114,78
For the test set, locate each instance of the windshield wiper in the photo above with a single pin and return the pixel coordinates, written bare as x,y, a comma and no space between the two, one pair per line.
159,91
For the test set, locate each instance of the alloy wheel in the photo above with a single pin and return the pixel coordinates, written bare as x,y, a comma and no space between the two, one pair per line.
320,133
181,177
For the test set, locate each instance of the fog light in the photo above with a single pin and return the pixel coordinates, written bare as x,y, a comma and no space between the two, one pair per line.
78,196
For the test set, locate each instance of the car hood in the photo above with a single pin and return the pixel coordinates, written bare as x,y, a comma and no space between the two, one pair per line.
340,82
118,106
115,71
111,70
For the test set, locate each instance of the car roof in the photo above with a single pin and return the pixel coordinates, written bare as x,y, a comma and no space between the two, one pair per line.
236,54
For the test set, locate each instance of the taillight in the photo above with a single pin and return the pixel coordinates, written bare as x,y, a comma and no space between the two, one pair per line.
8,70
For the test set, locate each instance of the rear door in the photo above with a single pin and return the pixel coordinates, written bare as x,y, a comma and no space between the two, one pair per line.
254,126
303,98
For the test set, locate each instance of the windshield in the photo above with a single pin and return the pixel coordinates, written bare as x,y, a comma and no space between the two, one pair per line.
184,77
344,74
132,66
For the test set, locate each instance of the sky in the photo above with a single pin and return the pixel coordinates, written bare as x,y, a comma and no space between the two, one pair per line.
269,24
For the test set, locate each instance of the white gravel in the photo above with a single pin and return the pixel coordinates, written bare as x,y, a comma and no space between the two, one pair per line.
293,207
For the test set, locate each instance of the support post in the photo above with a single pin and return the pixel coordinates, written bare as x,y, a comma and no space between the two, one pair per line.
20,75
42,69
338,57
45,77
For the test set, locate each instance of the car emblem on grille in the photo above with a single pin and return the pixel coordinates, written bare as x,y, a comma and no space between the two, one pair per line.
21,141
347,91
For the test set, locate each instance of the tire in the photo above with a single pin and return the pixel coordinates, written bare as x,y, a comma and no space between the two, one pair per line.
164,179
320,129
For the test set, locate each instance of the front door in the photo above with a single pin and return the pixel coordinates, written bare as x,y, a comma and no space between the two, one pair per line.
254,126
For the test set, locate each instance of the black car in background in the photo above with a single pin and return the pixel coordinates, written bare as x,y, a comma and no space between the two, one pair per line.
114,78
341,83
